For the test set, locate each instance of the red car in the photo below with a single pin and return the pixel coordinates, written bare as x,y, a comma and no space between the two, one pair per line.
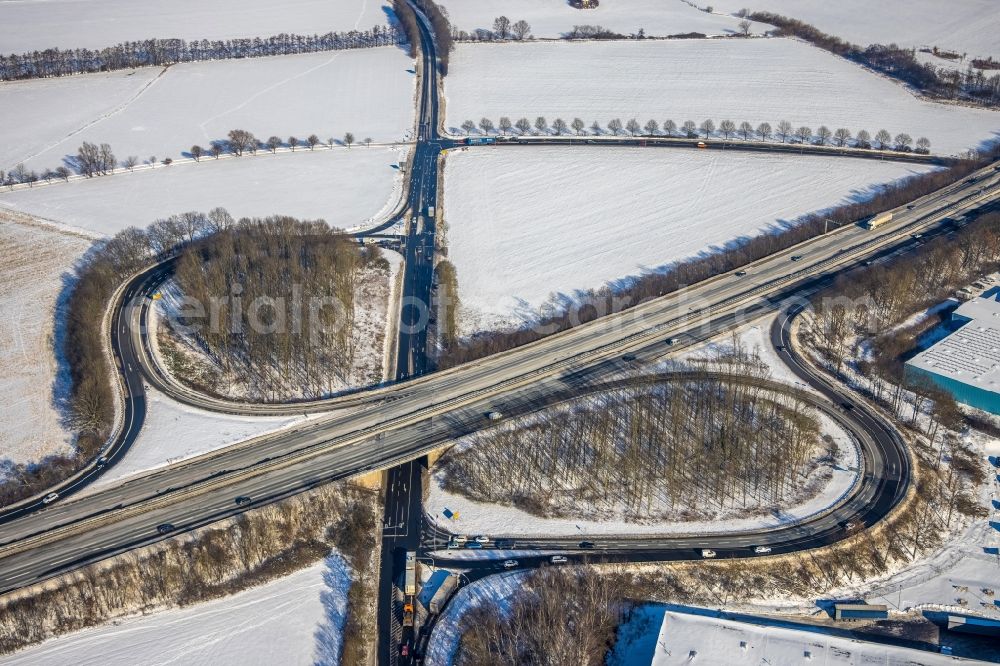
405,649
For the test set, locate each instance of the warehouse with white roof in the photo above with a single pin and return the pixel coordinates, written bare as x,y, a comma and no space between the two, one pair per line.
967,362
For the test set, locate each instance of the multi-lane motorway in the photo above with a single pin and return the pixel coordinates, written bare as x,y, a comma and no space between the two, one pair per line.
399,423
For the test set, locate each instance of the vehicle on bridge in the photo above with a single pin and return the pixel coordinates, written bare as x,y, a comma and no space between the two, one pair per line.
877,221
480,140
50,498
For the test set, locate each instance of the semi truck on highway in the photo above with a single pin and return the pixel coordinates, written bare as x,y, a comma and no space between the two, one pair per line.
878,221
480,140
444,592
410,586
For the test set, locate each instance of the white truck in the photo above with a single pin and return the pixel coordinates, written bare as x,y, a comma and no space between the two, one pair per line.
878,221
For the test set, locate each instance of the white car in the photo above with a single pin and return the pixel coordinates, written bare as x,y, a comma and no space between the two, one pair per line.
50,498
707,553
482,539
509,564
762,549
558,559
495,416
459,539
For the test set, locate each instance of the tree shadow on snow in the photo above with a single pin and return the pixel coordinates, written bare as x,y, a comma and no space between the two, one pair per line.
328,636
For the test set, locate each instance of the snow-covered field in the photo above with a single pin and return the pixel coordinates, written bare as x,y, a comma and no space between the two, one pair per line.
33,272
173,432
297,619
347,188
964,26
755,80
501,520
553,18
662,636
163,112
27,25
529,226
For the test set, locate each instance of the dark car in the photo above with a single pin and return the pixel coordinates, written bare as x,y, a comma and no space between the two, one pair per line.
740,273
243,500
165,528
504,543
628,358
796,257
586,544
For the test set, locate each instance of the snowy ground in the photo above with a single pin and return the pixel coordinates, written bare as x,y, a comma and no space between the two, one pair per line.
347,188
964,26
162,112
553,18
755,80
661,636
530,226
297,619
34,273
27,25
174,432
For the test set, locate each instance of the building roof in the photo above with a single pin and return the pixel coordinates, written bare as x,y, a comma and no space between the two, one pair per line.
970,355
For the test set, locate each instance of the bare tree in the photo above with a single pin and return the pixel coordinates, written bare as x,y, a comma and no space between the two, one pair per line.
273,143
520,30
541,125
804,134
923,145
292,142
368,142
196,152
823,133
348,139
864,139
903,141
633,126
129,163
764,131
746,130
595,127
88,159
468,126
727,128
578,125
615,126
312,141
669,127
559,125
486,125
63,172
707,127
882,138
523,125
784,130
842,136
241,140
108,160
744,27
652,127
690,129
501,27
505,125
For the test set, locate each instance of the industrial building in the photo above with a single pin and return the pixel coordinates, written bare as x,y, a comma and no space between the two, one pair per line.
967,362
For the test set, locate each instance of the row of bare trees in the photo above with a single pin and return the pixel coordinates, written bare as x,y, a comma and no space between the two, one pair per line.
503,30
159,52
783,131
93,160
604,301
897,62
686,449
440,26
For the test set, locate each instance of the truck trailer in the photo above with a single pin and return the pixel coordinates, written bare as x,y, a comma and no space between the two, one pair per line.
410,587
878,221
